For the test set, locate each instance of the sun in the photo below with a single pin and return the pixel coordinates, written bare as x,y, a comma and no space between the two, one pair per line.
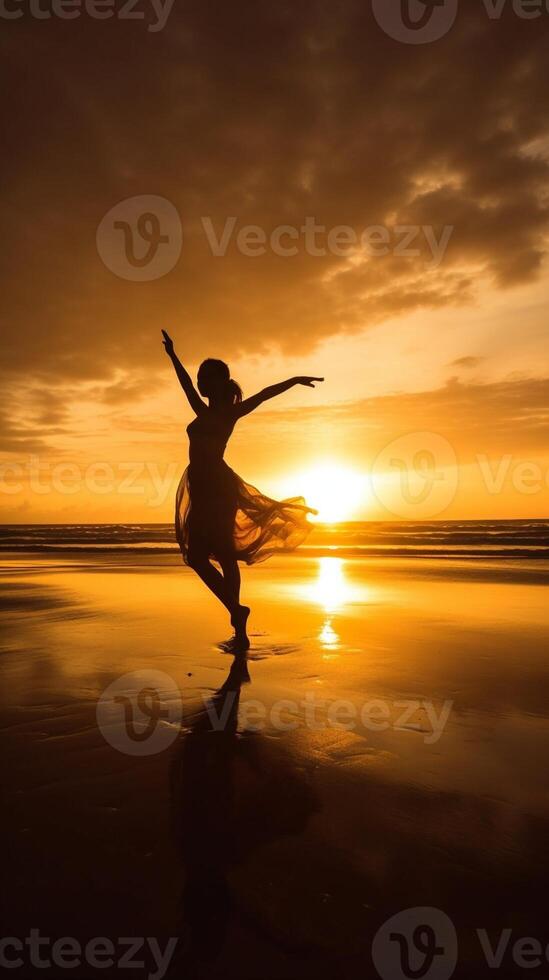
336,491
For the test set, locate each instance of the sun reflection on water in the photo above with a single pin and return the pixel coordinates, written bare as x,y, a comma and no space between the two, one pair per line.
332,590
329,639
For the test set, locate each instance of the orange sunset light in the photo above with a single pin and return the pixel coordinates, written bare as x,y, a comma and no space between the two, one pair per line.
337,491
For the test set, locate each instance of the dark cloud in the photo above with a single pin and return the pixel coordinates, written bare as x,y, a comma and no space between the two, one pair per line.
507,416
20,436
124,390
35,417
269,112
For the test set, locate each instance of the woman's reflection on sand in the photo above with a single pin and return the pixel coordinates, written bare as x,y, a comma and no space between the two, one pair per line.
232,792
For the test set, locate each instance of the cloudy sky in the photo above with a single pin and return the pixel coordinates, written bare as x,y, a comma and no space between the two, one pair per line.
421,296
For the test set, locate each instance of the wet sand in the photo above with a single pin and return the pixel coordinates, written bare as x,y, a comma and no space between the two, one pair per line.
385,748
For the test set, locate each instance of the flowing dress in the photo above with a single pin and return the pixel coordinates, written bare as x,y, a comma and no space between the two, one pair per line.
218,515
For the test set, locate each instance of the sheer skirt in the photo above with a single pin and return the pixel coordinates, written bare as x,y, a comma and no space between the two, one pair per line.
219,515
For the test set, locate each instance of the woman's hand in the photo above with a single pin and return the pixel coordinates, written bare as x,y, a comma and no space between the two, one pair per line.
309,382
168,343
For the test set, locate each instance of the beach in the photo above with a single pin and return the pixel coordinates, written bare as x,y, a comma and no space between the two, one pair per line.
382,750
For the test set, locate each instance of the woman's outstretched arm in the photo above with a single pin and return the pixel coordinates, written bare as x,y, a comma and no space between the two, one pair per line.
184,377
249,404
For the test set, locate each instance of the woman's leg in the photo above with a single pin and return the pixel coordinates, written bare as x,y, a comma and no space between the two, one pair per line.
239,617
231,575
200,563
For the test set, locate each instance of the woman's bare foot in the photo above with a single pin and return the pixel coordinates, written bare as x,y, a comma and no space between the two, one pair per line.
239,619
237,645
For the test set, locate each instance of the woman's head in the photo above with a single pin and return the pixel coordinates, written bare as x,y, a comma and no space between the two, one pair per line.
215,382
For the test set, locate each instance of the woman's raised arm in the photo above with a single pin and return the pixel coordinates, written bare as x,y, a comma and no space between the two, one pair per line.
184,377
249,404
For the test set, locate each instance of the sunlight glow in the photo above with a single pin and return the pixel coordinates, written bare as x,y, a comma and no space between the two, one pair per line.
332,590
338,492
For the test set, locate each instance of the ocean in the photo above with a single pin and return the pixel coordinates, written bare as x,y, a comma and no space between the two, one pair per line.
435,539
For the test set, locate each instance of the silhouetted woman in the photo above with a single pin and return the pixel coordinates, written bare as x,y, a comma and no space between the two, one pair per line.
218,515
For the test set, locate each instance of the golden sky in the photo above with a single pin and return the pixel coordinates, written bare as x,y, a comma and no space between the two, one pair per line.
272,114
